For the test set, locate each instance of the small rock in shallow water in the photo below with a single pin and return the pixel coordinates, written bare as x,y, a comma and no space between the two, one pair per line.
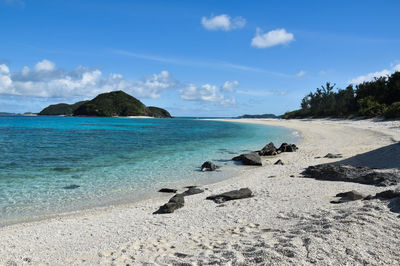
167,190
208,166
279,162
71,187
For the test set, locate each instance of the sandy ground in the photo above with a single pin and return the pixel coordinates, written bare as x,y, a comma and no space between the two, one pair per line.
289,221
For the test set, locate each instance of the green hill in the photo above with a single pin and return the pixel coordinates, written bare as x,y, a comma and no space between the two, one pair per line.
118,103
157,112
61,109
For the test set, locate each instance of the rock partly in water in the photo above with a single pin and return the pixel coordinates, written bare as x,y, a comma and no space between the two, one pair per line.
387,194
237,158
176,202
231,195
208,166
168,190
347,173
279,162
251,159
287,148
268,150
71,187
333,156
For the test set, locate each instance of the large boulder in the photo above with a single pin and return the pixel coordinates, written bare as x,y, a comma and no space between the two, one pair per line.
347,173
251,159
231,195
287,147
268,150
208,166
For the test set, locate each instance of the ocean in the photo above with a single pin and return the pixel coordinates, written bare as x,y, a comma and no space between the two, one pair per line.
51,165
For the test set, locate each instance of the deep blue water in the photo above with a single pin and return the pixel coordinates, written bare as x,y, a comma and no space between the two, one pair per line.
112,159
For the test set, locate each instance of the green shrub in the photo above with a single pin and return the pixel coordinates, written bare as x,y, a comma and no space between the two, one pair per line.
393,110
370,108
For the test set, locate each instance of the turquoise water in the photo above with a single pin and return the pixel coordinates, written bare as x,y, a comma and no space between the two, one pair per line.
112,159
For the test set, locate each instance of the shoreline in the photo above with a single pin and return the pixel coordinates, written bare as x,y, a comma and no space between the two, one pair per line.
279,203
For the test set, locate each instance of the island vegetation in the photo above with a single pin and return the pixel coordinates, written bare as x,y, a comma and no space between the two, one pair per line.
380,97
115,103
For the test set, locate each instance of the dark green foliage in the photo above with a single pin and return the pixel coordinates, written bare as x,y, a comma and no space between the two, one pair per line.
157,112
61,109
379,97
393,110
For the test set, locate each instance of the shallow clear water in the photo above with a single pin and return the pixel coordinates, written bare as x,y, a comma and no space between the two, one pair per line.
112,159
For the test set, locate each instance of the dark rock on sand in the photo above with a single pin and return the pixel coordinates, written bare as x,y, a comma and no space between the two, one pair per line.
173,204
71,187
208,166
231,195
349,196
387,194
347,173
287,147
333,156
168,190
279,162
192,190
251,159
268,150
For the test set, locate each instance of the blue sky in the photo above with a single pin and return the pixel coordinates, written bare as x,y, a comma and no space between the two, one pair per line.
194,58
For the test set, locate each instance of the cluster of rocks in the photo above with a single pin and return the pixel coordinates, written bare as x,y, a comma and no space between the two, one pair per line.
355,195
178,200
348,173
268,150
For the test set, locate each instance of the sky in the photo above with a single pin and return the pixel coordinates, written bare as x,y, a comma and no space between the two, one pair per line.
193,58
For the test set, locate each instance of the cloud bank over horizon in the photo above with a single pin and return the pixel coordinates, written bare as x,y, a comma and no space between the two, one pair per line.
45,80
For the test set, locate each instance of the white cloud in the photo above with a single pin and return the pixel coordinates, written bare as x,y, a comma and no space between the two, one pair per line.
272,38
229,86
206,93
371,76
223,22
301,73
45,65
48,81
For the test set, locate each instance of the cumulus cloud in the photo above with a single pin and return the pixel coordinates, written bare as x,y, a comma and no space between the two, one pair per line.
45,80
271,38
206,93
223,22
301,73
229,86
371,76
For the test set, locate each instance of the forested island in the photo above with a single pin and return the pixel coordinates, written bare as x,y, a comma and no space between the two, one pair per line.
115,103
380,97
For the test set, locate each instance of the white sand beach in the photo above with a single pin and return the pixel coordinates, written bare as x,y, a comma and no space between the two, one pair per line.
289,221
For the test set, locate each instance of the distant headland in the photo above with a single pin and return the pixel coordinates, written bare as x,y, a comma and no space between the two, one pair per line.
115,103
